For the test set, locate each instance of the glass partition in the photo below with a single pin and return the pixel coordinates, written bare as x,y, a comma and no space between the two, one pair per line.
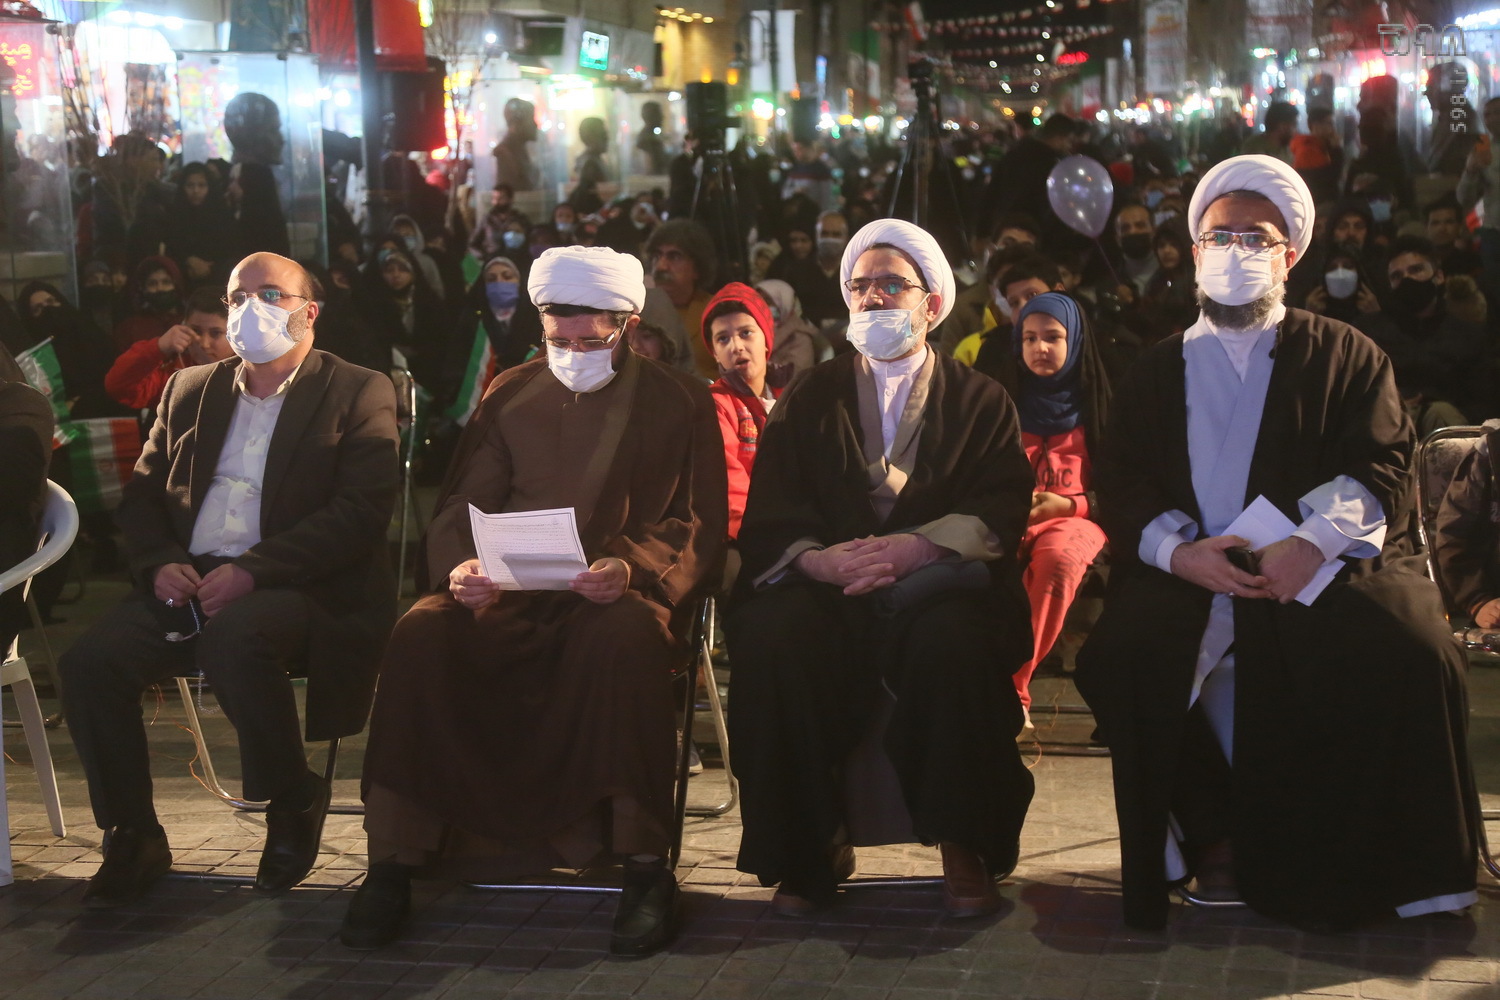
274,123
36,216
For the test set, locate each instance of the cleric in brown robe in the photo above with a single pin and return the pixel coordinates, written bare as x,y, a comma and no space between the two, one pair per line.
519,731
879,541
1301,750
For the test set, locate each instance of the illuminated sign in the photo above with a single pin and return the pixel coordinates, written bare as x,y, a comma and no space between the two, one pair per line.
593,52
21,57
1072,58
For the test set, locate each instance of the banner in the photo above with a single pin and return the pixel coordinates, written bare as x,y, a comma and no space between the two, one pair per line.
39,365
478,374
102,459
1166,47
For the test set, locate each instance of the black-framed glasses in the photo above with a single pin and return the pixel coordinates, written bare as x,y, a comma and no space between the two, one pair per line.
1219,239
585,345
270,296
889,285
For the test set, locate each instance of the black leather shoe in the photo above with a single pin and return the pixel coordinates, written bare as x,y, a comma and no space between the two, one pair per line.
292,840
377,911
646,918
132,862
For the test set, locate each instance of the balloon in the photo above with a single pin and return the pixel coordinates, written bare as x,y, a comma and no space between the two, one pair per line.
1081,193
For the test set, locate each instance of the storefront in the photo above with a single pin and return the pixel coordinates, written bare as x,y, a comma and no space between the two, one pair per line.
588,70
36,219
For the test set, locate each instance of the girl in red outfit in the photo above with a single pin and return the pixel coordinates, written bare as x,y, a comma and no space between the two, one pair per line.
739,332
1061,399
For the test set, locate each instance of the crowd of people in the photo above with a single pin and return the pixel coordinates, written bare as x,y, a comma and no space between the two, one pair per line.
897,453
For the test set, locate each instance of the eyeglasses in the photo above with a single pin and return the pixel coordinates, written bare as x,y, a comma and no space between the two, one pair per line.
270,296
889,285
585,345
1254,242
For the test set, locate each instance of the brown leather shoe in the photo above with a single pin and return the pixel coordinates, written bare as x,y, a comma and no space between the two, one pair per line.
968,887
796,900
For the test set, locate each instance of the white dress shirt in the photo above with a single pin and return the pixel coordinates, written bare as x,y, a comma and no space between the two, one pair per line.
229,521
893,382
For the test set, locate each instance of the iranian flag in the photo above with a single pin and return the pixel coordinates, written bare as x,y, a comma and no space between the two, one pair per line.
102,459
39,365
478,374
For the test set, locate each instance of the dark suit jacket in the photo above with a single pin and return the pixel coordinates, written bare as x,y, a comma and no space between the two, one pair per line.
25,448
330,486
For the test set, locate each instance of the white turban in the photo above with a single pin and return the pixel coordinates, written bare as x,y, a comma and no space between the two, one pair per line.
916,244
1265,175
596,277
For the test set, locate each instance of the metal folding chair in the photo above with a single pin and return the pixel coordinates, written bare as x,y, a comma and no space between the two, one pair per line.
406,409
705,670
1437,461
57,531
210,780
686,676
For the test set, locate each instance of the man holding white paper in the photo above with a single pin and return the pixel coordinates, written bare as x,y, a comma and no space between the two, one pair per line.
1290,741
519,730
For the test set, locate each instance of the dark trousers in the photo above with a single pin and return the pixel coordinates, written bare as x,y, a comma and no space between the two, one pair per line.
243,652
809,665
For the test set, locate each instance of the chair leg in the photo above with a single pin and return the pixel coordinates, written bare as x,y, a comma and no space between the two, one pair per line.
30,709
721,733
1209,904
1485,857
7,868
55,719
211,777
248,878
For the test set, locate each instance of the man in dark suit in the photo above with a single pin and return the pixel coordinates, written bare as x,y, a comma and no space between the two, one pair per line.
25,448
255,525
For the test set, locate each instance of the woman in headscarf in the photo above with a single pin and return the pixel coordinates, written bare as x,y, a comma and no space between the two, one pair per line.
740,334
401,310
1062,399
500,313
84,353
199,231
1344,290
798,342
154,298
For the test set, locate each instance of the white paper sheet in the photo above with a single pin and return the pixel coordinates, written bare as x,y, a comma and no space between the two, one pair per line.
529,550
1261,524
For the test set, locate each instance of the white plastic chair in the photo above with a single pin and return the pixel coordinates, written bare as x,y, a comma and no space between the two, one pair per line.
59,528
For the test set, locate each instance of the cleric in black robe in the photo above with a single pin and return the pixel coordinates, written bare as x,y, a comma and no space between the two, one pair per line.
1308,759
879,542
1466,537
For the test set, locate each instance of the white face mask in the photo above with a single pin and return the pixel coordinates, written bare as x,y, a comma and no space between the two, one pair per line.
1341,282
581,371
1234,275
1003,307
882,334
258,331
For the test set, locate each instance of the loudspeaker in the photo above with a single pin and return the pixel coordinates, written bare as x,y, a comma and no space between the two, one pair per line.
413,104
804,115
707,105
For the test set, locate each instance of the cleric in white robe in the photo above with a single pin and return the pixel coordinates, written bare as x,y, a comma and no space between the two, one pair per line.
1302,750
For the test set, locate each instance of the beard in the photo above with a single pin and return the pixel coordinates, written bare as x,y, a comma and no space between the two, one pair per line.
1249,316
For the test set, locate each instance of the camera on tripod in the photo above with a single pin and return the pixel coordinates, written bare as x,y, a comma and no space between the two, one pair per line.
707,114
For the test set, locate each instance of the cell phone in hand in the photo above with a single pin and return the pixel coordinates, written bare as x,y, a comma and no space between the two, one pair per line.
1242,558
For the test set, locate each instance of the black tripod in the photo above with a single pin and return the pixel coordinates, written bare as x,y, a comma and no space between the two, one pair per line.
717,208
924,151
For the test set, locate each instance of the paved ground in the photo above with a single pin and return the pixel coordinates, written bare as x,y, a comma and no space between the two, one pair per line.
1060,936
